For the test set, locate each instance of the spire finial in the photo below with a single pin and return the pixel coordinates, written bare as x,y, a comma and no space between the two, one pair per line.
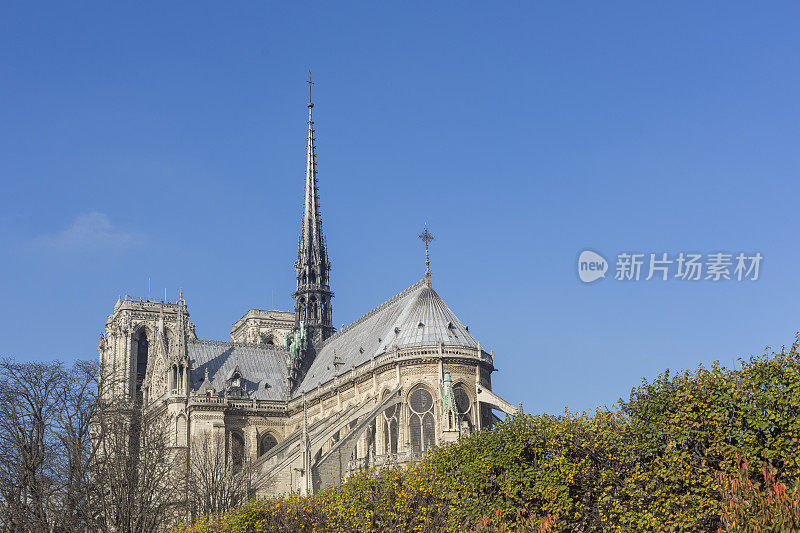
427,237
310,85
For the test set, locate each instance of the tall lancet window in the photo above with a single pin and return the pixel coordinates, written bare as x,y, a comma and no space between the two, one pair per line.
463,404
167,342
421,422
390,429
236,450
142,349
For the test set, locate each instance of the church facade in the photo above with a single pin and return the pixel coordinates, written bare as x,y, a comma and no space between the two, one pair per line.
302,404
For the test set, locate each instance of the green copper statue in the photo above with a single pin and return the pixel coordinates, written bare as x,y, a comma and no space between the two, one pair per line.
294,341
448,397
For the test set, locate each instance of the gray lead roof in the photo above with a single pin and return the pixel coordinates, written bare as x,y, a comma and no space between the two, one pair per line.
263,368
416,317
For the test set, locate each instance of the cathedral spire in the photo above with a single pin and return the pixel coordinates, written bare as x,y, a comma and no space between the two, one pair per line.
313,294
312,223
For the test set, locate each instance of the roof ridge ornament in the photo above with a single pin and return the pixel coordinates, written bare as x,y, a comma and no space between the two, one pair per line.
426,237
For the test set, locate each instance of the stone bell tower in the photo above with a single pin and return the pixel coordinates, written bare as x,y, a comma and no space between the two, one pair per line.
143,350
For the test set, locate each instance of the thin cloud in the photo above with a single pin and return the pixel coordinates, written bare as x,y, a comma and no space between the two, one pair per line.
92,231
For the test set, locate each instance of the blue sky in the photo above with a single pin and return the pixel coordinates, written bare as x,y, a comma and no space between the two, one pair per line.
166,142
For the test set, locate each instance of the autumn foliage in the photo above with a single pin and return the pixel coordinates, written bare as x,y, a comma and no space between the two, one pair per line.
752,506
710,450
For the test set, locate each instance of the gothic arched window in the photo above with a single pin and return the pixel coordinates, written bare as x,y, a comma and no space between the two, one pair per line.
390,429
421,422
463,403
237,450
268,442
168,342
142,350
142,347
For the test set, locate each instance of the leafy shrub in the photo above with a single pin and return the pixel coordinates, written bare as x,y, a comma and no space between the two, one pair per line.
749,506
663,460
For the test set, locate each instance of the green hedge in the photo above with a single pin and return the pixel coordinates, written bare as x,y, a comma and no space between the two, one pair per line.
654,463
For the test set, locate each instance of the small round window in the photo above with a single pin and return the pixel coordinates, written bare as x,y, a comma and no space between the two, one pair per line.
420,401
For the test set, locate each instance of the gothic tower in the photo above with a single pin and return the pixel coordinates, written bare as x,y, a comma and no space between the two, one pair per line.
143,350
313,294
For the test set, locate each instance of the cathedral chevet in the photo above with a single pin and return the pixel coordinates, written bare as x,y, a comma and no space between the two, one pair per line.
302,404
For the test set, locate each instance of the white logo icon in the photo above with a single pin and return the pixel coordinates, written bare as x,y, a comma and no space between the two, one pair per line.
591,266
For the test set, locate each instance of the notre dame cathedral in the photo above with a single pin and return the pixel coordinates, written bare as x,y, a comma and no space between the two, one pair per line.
302,403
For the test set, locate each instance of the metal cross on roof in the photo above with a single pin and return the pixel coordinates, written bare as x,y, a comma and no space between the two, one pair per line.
426,237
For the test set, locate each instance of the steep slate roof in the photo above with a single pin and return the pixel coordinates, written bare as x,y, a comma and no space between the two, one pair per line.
258,365
416,317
